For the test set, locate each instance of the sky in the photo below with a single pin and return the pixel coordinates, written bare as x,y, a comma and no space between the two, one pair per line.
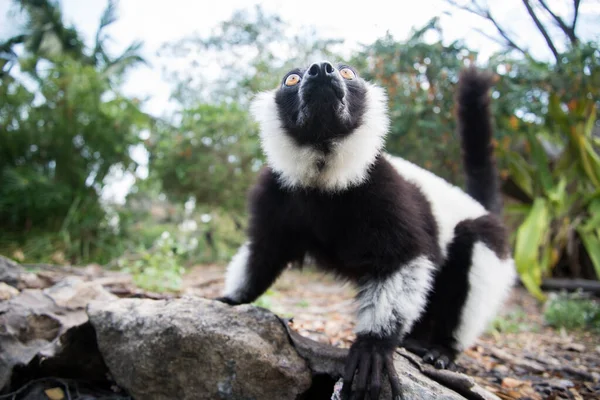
157,22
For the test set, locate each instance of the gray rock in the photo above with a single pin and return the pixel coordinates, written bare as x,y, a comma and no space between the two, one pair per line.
34,328
193,348
10,271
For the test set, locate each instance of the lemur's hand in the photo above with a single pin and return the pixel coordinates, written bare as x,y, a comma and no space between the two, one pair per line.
370,358
227,300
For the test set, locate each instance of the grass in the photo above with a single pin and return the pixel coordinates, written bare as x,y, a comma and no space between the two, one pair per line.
513,322
572,311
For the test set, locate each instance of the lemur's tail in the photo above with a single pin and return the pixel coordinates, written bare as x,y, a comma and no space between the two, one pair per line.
476,132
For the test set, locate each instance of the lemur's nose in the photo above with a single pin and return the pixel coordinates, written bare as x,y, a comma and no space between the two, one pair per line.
323,70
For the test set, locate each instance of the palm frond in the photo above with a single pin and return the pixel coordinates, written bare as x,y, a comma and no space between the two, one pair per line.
109,16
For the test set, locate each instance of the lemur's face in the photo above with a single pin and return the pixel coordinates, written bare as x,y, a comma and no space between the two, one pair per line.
321,103
323,126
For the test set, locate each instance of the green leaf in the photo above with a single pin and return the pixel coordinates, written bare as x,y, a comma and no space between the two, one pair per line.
593,221
591,241
533,286
520,173
531,235
540,159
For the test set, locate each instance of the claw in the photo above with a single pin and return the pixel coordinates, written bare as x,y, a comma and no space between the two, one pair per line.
442,362
440,358
430,357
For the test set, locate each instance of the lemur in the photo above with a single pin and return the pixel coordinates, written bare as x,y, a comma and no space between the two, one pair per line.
431,263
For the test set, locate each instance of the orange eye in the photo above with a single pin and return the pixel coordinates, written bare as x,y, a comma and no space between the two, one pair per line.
347,73
292,80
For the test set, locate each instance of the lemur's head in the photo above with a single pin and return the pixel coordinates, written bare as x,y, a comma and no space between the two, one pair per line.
322,127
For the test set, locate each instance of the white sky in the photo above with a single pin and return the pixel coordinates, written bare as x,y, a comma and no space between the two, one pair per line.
157,21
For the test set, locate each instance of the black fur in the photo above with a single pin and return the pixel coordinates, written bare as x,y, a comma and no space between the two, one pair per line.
475,128
362,233
432,337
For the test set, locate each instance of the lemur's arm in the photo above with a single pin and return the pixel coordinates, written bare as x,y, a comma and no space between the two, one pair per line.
253,270
388,308
270,246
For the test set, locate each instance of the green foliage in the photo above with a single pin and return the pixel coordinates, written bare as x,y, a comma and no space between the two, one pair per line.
420,75
213,156
572,311
252,50
156,269
514,322
45,36
63,130
56,151
265,300
561,211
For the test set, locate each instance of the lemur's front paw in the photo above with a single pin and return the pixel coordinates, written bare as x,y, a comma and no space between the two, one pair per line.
441,357
370,358
227,300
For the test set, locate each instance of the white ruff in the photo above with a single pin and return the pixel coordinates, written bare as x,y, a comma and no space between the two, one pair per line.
490,282
449,204
399,299
350,159
236,278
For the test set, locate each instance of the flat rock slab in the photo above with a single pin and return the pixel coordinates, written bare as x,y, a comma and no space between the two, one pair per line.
193,348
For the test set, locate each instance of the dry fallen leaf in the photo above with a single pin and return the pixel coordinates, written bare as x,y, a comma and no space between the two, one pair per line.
55,393
512,383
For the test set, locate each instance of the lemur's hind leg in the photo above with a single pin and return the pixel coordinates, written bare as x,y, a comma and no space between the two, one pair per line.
469,289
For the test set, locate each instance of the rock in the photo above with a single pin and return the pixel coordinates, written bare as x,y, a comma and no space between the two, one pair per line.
73,293
418,380
35,332
193,348
197,349
578,347
7,292
9,271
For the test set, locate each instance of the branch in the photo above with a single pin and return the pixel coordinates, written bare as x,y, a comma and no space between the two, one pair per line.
542,30
576,4
569,31
486,14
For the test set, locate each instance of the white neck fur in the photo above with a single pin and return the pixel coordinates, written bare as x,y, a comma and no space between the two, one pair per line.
350,158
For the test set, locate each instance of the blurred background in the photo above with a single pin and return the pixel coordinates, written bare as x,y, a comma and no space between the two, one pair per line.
125,138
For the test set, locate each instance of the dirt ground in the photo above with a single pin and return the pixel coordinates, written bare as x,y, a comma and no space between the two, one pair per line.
530,361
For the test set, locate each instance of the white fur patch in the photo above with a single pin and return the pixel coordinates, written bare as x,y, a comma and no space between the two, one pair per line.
236,277
449,204
490,281
346,165
399,299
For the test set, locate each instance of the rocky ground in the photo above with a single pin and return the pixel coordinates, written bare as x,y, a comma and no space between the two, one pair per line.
527,361
531,361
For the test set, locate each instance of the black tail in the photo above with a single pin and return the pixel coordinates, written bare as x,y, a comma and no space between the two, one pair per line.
476,132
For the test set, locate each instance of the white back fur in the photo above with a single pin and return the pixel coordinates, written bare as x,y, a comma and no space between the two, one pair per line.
346,165
449,204
403,295
490,281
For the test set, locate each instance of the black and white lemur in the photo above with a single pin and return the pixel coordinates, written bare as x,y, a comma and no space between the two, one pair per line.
431,262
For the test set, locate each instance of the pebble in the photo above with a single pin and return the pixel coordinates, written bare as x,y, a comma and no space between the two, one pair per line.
7,292
578,347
